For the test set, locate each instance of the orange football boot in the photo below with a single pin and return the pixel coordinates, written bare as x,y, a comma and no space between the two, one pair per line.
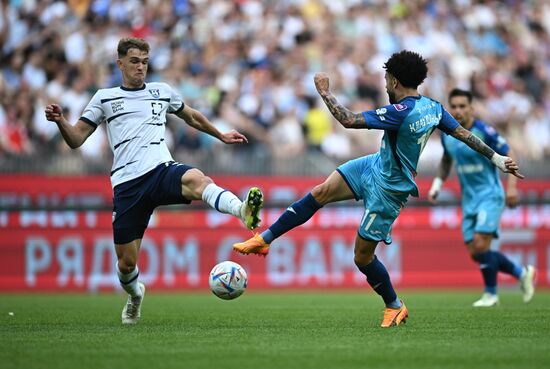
394,317
255,245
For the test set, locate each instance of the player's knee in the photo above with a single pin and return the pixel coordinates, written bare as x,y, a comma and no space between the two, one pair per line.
195,182
363,257
202,182
475,250
126,264
477,247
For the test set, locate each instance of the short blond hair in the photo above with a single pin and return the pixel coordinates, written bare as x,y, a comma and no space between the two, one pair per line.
128,43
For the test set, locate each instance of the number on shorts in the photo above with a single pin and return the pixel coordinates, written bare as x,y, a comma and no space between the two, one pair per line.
372,216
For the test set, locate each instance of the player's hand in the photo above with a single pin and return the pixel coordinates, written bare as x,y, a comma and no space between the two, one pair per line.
54,113
507,165
434,190
321,83
512,197
432,197
233,137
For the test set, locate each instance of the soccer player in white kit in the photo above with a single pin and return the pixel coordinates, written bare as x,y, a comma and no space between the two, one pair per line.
144,175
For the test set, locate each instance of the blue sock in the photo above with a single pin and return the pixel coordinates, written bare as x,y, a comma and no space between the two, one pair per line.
296,214
379,280
489,269
506,265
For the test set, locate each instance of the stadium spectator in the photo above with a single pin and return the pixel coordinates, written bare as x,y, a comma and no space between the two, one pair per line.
262,54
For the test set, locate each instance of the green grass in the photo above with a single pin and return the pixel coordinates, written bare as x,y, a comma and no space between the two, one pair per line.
273,330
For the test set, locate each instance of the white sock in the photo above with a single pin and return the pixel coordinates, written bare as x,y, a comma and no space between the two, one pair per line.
222,200
129,282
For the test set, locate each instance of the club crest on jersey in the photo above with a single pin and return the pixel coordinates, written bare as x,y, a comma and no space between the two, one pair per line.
154,92
399,107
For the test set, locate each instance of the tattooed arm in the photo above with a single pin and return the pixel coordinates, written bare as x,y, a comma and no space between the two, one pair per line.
475,143
504,163
343,115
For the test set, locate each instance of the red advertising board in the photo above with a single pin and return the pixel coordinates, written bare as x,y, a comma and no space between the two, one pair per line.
89,191
66,253
73,250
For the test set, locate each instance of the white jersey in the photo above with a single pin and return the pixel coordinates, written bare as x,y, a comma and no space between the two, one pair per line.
136,120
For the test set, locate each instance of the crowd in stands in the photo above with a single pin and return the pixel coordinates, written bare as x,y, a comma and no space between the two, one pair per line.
249,65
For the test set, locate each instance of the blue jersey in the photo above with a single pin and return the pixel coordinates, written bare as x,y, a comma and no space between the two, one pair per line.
479,178
407,126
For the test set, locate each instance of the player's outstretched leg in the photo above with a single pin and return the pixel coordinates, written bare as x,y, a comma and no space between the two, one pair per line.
527,282
297,213
226,202
250,208
132,310
255,245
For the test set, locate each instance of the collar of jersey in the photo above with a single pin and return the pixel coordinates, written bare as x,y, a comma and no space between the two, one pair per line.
133,89
409,97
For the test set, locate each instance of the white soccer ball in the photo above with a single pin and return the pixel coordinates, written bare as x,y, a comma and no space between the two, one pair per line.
227,280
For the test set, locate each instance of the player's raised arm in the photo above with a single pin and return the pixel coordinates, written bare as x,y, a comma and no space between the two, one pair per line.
504,163
74,135
197,120
343,115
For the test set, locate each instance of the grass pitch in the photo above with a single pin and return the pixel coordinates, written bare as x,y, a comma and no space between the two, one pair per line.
274,330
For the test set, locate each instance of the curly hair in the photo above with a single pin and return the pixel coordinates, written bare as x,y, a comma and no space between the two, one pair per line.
408,67
128,43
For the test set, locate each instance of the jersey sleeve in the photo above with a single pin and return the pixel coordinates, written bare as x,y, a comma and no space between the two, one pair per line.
447,124
388,117
176,104
495,141
93,113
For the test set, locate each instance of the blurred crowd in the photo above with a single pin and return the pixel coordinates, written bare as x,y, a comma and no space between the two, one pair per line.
249,65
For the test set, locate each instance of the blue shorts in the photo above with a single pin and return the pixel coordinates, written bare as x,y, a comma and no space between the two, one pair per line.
135,200
484,218
381,206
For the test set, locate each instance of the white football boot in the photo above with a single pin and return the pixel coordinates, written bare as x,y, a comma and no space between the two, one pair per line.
527,282
486,300
132,310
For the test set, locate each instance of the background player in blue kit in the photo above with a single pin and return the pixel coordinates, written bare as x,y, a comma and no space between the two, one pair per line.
144,174
383,180
483,198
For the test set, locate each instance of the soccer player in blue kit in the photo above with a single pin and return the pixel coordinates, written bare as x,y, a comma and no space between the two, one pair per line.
483,199
383,180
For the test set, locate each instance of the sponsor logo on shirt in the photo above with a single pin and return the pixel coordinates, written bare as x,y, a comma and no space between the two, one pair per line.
470,168
399,107
117,106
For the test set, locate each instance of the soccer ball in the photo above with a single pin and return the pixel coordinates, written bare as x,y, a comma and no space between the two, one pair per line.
227,280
